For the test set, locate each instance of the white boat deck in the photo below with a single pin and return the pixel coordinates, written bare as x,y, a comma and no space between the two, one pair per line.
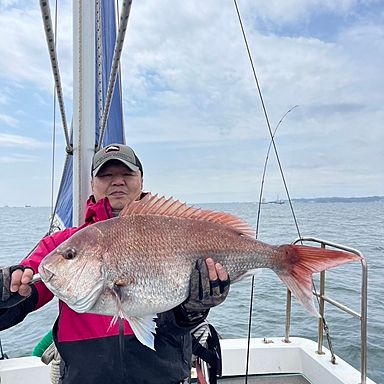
272,379
296,362
28,369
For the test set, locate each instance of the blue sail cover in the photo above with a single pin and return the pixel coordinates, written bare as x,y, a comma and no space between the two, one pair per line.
114,132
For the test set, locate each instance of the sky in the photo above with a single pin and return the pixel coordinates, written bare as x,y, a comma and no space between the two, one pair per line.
191,107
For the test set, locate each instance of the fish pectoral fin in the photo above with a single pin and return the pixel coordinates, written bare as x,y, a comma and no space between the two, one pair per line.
144,329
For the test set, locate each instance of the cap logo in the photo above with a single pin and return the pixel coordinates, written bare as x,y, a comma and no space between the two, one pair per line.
123,153
112,148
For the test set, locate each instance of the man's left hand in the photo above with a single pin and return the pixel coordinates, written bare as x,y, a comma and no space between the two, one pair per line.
209,286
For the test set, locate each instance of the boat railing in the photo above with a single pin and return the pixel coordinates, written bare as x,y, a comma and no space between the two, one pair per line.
362,316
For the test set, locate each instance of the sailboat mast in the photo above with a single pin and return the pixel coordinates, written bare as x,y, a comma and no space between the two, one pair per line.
84,106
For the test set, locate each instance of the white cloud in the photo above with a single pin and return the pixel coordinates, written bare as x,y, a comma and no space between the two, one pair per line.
8,140
3,99
189,77
24,53
292,11
188,87
8,120
17,158
9,3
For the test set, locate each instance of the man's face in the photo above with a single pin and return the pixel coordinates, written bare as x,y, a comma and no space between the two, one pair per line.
117,182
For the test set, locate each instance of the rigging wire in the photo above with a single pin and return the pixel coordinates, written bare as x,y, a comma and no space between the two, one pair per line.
120,80
54,128
126,8
99,62
51,42
100,65
54,224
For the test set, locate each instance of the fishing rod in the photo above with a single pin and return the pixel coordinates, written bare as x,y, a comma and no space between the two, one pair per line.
266,116
265,168
272,144
256,234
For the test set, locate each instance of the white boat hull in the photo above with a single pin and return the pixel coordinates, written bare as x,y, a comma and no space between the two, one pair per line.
271,356
28,369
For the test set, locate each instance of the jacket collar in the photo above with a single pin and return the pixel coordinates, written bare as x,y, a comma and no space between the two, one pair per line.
98,211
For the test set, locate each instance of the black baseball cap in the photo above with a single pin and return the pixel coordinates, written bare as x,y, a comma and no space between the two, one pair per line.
119,152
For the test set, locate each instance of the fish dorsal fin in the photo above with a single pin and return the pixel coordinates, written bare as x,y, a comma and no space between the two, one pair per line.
161,206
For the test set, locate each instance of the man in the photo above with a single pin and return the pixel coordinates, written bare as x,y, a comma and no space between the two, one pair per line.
91,352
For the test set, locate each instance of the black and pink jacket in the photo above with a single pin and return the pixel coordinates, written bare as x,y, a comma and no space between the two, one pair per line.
91,351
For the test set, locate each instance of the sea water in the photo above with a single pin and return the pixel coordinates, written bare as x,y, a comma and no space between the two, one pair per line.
357,225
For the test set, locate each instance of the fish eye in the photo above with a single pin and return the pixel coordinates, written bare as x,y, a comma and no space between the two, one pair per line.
69,254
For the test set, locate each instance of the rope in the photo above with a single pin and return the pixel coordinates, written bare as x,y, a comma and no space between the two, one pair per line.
126,8
47,21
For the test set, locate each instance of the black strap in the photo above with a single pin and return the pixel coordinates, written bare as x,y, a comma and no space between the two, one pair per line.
211,354
3,355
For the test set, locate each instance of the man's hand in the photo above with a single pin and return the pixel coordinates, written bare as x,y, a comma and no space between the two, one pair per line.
20,280
216,271
209,286
14,285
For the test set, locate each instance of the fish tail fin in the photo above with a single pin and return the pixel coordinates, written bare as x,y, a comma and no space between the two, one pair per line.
301,262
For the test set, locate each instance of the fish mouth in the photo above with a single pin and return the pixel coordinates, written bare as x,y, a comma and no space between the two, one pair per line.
47,277
81,305
45,274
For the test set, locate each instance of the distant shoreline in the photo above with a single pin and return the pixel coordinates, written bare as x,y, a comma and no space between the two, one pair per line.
366,199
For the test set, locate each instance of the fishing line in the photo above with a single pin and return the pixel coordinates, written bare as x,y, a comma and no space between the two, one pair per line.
266,117
265,169
121,348
272,144
257,230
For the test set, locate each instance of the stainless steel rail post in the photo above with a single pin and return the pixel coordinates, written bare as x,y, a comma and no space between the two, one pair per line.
320,336
362,316
288,316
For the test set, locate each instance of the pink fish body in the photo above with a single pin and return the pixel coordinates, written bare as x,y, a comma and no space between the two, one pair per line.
139,264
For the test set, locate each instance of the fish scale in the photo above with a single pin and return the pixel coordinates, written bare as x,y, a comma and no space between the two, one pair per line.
139,264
